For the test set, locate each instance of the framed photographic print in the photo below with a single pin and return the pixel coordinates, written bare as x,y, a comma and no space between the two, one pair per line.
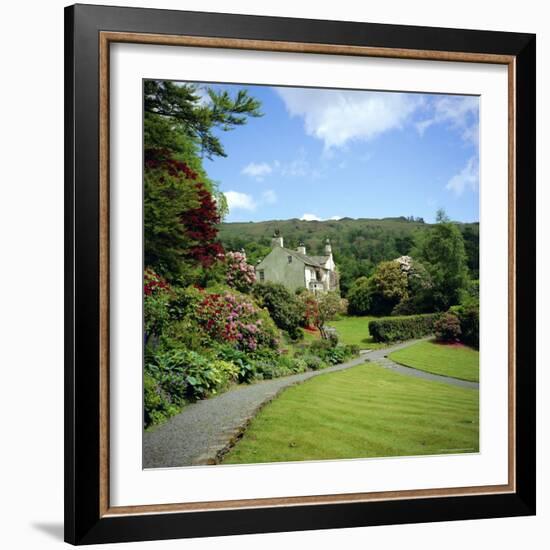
300,284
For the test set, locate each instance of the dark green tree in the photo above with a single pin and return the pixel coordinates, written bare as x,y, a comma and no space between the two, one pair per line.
471,245
441,250
359,297
179,118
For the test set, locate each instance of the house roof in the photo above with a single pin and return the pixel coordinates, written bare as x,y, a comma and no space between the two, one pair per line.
314,261
320,259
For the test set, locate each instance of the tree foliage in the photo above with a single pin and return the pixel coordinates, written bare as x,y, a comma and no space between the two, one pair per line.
182,208
173,110
394,288
388,287
359,297
441,250
168,195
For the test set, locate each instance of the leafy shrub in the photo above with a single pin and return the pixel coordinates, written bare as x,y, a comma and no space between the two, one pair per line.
246,368
157,404
332,354
313,362
285,308
335,355
183,302
168,370
156,297
447,328
285,365
271,369
320,347
332,337
352,349
184,374
206,377
392,329
299,365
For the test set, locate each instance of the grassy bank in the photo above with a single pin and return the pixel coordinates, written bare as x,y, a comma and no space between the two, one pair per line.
454,360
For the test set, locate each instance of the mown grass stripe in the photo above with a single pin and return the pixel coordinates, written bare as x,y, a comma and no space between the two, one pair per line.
365,411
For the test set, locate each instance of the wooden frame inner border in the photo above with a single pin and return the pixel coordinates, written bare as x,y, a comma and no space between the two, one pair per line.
105,39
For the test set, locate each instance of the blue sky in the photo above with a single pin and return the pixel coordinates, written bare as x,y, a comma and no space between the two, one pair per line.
322,154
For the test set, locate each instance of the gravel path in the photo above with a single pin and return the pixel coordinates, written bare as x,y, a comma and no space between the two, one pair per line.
205,430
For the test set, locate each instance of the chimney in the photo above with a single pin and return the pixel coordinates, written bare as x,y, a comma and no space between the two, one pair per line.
301,248
328,248
277,240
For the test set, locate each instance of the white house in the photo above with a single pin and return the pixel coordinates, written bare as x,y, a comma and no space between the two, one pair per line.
295,269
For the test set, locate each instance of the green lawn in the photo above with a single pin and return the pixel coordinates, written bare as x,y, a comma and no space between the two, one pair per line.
355,330
456,361
365,411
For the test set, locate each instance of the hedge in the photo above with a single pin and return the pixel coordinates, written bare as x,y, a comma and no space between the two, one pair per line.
391,329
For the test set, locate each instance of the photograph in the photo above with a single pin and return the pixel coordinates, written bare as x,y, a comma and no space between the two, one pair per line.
311,274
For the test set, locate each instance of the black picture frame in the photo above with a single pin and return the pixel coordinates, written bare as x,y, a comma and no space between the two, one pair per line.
84,523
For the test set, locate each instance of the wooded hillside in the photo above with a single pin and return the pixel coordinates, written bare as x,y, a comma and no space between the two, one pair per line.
357,244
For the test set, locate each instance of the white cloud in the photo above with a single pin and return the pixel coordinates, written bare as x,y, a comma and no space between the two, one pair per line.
300,167
310,218
297,168
257,170
337,117
242,201
315,218
467,178
269,196
460,112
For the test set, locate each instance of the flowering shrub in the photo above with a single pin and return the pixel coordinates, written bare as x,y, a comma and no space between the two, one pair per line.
153,282
447,328
229,317
240,274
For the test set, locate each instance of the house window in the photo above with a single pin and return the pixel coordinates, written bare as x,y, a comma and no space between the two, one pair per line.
289,259
262,275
